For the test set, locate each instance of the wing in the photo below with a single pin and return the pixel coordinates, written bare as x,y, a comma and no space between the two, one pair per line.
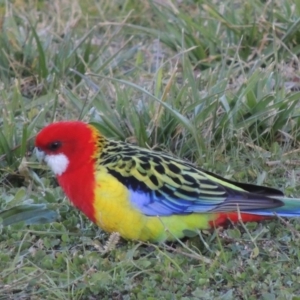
162,185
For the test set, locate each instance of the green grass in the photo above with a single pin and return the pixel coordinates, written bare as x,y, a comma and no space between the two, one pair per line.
213,82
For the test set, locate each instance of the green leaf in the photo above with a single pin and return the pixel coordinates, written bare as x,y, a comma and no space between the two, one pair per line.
29,214
43,69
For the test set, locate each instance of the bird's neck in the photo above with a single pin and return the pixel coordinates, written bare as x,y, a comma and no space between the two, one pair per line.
79,186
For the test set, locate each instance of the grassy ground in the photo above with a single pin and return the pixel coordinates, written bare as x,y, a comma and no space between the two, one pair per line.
214,82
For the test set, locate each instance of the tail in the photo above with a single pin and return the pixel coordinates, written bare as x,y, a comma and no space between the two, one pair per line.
290,209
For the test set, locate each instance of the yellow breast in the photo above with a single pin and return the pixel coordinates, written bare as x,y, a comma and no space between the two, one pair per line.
113,211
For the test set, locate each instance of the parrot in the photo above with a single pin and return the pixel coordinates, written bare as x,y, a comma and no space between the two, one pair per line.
145,195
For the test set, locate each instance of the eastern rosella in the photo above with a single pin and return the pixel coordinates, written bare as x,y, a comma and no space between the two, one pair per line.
146,195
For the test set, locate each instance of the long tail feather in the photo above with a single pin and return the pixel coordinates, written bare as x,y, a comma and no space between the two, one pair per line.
291,208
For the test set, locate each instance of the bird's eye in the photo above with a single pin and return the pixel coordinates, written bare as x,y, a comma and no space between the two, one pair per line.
54,146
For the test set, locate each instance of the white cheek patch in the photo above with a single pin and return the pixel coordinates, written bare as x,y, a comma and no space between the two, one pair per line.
57,162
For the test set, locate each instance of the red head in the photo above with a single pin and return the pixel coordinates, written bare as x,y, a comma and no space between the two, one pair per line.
70,150
66,146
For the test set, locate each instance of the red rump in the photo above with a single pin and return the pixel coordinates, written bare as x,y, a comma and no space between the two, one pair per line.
224,218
